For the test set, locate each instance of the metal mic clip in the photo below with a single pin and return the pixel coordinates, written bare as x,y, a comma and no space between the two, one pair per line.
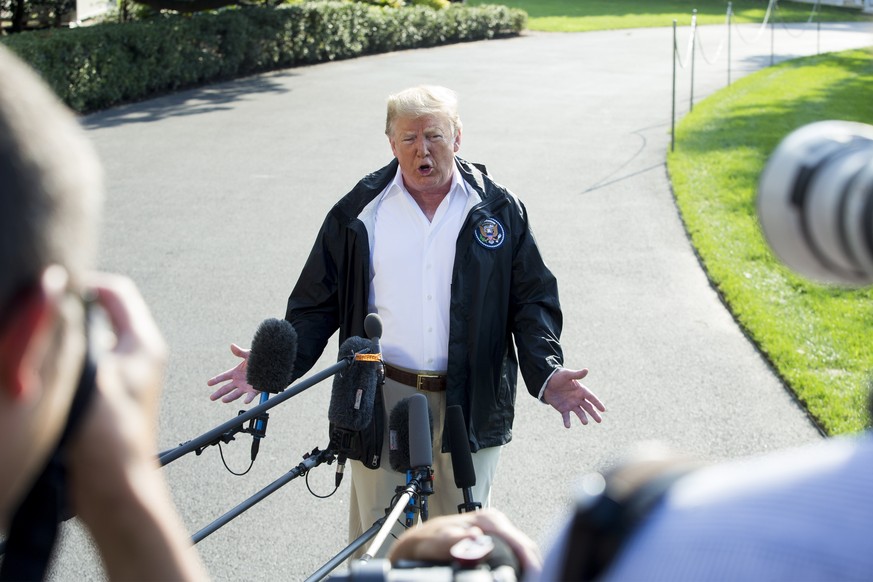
410,507
375,358
426,478
340,468
258,429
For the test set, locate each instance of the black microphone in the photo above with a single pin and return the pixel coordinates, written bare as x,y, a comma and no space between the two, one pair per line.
270,368
462,458
373,329
352,401
420,432
421,446
410,444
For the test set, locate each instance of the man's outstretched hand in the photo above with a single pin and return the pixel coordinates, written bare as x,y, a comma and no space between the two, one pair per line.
237,385
568,395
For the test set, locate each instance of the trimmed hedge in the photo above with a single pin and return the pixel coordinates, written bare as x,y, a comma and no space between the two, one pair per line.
96,67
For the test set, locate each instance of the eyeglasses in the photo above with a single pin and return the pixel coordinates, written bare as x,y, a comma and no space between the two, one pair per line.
12,303
88,298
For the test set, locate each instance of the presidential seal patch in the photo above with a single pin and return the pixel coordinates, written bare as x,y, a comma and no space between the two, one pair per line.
489,233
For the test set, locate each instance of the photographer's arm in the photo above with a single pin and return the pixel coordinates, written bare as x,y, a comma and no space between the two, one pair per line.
116,485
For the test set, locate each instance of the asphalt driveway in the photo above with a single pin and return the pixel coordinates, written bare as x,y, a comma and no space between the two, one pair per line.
215,196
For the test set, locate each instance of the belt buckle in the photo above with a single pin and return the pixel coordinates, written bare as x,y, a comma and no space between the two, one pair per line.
421,377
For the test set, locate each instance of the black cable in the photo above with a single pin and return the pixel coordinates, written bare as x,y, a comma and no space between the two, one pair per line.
231,471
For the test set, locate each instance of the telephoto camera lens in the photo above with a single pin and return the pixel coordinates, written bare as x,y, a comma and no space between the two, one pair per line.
815,202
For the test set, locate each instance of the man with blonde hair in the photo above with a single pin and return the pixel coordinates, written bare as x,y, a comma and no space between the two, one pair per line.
76,416
446,257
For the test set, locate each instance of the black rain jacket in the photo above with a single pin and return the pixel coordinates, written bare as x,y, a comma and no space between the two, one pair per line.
499,292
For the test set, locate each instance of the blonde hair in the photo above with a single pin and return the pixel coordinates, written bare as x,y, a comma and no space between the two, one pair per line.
423,100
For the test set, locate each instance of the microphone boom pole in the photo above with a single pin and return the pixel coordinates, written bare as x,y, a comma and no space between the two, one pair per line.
214,435
332,564
314,459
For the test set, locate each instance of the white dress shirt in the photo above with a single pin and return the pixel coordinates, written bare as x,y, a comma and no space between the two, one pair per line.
411,268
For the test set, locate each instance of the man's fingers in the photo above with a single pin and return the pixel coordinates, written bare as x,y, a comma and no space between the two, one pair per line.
128,312
220,378
233,395
580,414
589,397
566,417
591,410
238,351
221,391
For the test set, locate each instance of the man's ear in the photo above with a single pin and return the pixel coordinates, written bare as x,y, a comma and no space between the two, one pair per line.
24,337
457,143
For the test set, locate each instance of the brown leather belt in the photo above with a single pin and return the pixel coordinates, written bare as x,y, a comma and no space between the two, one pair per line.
426,382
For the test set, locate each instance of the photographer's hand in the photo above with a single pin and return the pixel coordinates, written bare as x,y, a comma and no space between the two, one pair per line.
116,485
433,540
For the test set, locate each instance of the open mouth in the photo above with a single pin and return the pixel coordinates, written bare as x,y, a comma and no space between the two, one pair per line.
425,169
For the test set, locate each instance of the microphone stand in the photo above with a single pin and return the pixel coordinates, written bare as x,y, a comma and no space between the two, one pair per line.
420,485
224,432
469,505
310,460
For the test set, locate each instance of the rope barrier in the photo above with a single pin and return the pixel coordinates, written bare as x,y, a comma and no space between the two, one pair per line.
802,30
721,43
763,26
690,46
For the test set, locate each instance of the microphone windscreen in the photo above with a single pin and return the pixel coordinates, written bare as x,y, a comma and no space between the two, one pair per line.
459,448
373,325
398,436
420,432
270,365
354,389
410,434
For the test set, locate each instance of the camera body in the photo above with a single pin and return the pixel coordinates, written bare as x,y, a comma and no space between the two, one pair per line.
381,570
482,559
815,202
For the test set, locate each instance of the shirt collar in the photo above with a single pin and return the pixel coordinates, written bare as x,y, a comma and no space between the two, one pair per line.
396,186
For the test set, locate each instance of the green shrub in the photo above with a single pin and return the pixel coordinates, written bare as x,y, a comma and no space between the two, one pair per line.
96,67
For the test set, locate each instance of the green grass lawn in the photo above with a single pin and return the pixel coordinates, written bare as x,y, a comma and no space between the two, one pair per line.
587,15
819,338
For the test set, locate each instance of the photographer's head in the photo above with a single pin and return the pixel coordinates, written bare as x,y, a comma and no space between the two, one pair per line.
50,190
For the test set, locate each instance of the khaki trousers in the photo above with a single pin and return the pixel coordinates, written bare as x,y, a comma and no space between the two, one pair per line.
372,490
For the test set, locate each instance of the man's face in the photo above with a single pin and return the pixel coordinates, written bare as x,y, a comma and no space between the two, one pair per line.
425,148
